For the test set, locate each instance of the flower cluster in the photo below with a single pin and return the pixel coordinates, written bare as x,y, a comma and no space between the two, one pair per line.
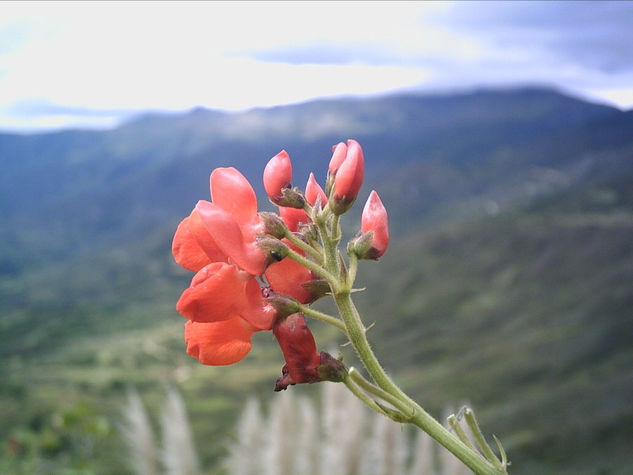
257,271
260,271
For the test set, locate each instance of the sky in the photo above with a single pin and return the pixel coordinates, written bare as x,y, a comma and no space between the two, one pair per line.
94,64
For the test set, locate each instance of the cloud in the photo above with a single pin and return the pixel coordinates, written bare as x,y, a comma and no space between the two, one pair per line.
595,34
133,56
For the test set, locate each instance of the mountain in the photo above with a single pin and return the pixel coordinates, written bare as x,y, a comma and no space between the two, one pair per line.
507,281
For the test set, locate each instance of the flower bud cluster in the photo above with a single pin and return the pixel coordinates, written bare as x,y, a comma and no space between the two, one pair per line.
258,271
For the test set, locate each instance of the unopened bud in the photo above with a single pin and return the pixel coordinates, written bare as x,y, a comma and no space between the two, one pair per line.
375,221
273,224
349,178
277,176
314,192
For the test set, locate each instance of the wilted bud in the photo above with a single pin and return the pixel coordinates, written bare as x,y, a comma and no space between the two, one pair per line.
274,249
277,176
374,221
331,369
349,178
299,349
273,224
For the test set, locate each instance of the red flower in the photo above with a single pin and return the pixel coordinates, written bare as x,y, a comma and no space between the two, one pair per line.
222,240
221,291
224,301
374,219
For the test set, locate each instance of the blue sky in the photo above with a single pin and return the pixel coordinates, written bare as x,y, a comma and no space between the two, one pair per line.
94,64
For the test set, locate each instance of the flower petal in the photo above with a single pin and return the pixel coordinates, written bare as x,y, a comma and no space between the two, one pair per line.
258,311
339,151
293,217
186,249
232,192
217,293
204,238
285,277
240,246
219,343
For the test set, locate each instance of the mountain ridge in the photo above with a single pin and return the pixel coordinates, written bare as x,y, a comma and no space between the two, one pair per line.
506,280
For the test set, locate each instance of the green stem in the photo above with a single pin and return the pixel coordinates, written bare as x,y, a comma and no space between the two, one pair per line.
304,246
420,418
313,266
353,268
457,428
341,288
479,437
404,408
324,317
362,396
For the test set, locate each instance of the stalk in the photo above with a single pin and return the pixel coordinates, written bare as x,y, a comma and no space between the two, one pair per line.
357,335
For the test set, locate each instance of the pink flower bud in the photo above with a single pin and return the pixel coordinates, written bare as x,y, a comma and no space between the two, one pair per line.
349,178
374,219
339,151
277,176
314,191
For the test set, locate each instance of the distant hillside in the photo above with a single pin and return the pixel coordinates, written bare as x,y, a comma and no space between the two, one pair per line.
508,281
153,167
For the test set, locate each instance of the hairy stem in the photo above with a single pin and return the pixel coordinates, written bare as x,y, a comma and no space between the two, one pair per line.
314,267
385,388
305,247
324,317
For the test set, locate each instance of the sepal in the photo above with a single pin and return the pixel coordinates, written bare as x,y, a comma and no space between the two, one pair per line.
291,198
273,224
274,249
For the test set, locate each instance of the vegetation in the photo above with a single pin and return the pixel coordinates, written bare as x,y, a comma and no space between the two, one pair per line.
508,280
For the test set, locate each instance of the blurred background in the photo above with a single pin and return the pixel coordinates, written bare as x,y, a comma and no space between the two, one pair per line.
498,134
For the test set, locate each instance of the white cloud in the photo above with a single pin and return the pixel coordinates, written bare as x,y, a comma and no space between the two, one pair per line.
126,56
